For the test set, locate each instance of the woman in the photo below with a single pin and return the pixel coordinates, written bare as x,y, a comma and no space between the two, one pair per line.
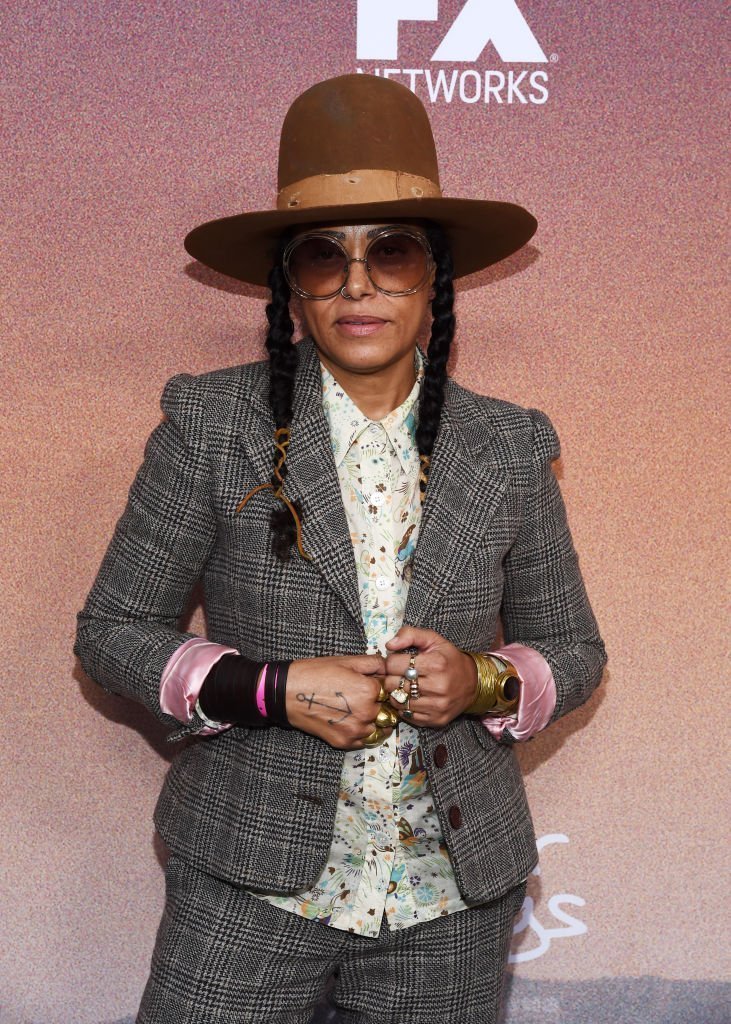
352,804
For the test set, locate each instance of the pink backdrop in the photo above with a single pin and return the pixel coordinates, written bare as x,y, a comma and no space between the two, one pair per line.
126,124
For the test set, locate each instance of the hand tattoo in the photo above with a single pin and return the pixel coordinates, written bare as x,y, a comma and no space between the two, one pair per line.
345,709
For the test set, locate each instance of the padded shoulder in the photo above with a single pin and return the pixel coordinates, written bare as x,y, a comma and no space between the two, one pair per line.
519,432
220,396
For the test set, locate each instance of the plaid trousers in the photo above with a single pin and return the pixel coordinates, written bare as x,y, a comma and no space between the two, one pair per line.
224,956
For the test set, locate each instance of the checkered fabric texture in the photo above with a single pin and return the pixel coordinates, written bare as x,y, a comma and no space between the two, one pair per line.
256,807
223,956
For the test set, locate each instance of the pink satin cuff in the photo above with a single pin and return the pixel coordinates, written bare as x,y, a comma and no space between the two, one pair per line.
537,694
183,677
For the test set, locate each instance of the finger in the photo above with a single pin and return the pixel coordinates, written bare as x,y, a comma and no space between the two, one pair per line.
393,683
369,729
400,700
396,664
418,716
410,636
368,664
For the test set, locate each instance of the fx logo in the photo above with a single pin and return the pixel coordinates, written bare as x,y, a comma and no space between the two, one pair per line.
478,23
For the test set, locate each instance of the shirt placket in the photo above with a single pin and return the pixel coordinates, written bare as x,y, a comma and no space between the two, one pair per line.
376,488
378,802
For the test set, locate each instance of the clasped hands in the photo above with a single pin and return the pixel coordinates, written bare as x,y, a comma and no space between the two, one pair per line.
336,698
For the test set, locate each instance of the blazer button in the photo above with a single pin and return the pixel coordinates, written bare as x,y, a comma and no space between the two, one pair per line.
440,755
455,817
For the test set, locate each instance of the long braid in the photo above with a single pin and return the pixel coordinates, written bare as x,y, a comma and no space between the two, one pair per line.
282,368
279,345
437,353
285,518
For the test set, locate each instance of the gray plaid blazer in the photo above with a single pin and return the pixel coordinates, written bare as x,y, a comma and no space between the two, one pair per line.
256,807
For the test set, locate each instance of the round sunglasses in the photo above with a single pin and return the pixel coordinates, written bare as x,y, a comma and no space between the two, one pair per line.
398,261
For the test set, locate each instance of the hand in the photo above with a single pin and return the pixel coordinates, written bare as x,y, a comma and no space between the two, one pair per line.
336,698
447,676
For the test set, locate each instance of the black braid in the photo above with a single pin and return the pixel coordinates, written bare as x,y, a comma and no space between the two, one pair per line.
282,367
437,353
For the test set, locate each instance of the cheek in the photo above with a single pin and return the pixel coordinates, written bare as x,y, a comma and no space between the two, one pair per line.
313,316
422,313
296,311
303,313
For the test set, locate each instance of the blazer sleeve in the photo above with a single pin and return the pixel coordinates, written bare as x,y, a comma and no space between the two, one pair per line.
127,629
545,605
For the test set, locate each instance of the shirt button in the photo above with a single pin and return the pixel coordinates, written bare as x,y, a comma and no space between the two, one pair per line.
383,582
455,817
440,756
377,499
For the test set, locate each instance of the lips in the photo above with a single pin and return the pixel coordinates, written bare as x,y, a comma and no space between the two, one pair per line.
361,320
359,326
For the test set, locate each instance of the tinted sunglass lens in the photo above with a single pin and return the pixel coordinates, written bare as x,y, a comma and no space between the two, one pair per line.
317,266
397,262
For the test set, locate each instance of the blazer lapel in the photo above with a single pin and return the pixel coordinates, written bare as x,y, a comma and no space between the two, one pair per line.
465,489
312,481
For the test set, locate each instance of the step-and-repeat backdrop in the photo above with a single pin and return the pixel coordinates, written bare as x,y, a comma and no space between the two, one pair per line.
126,124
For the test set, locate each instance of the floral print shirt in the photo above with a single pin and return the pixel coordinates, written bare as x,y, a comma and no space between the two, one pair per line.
388,855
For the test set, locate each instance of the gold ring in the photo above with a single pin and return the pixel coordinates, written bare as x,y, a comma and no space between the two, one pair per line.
386,717
382,694
374,739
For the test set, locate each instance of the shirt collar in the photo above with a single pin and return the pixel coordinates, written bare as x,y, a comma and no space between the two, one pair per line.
347,422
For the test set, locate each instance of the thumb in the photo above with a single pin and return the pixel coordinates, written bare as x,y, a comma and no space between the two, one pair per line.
409,636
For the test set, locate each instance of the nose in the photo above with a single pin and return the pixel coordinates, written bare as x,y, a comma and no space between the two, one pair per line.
357,283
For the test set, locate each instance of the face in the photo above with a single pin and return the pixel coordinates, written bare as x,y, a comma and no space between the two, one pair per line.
367,332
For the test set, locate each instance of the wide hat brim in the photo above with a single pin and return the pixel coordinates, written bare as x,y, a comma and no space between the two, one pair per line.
480,231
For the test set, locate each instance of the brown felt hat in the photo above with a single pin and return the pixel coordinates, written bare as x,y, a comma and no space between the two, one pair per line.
353,149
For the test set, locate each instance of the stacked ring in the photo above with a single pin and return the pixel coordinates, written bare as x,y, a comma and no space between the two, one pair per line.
386,719
412,675
399,694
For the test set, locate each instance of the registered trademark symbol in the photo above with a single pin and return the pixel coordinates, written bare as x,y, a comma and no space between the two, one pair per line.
554,58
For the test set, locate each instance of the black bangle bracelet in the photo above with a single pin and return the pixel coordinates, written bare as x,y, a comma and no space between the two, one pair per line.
229,690
228,693
277,709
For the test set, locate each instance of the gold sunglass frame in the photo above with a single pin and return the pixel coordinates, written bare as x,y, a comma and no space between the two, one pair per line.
348,260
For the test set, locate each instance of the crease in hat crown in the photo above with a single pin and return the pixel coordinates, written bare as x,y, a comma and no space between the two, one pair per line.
358,148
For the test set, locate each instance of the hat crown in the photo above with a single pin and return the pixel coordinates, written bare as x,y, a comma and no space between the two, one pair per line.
356,121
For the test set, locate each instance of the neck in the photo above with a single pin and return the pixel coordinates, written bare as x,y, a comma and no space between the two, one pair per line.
376,393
